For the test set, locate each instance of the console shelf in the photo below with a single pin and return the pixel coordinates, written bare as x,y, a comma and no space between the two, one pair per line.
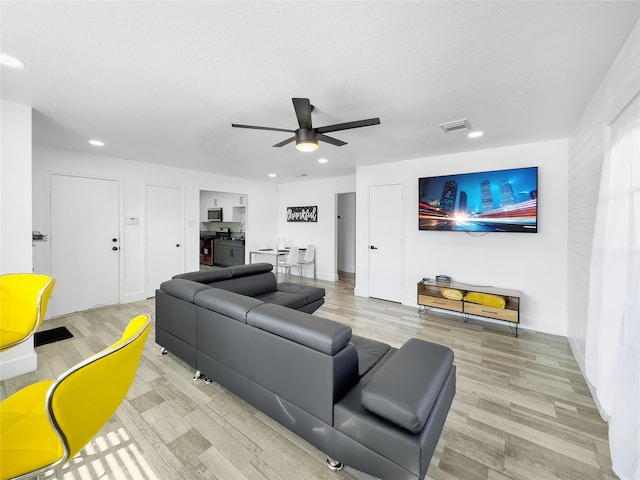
430,296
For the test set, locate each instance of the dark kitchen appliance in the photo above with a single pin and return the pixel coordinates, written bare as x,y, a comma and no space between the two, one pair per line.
214,214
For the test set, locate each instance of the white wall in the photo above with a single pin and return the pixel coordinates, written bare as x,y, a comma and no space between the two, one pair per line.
535,264
261,213
323,233
347,232
586,153
15,188
15,217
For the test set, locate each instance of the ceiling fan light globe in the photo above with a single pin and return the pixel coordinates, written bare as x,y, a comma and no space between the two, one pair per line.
306,146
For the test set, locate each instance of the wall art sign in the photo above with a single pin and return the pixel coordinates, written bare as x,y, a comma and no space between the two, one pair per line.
302,214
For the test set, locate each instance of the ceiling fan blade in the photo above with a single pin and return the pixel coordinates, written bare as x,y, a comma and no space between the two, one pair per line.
346,126
331,140
285,142
302,107
262,128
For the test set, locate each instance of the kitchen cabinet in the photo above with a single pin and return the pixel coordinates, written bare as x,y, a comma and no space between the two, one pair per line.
239,214
227,253
239,204
215,199
239,200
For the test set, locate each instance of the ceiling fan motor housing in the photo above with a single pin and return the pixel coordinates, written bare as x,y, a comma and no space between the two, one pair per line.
304,135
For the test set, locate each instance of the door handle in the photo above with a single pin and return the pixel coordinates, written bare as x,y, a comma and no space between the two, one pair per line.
373,247
114,248
114,240
178,245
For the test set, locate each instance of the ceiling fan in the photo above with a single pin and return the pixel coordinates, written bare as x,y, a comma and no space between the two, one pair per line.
307,137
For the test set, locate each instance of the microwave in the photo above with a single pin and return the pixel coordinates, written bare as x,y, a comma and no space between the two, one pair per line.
214,214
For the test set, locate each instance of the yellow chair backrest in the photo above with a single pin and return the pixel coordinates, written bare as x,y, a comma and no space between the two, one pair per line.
83,399
23,304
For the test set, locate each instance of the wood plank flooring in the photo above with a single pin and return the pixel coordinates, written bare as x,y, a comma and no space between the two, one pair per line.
522,410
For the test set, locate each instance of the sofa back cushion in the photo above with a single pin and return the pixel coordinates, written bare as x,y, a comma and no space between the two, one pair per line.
206,276
320,334
238,271
252,285
303,359
227,303
182,288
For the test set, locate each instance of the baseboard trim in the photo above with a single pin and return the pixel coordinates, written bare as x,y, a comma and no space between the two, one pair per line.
18,360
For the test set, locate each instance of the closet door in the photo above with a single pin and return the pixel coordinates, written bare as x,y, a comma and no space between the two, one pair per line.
164,235
386,239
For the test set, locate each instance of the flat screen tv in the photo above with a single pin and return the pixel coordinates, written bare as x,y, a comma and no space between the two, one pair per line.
495,201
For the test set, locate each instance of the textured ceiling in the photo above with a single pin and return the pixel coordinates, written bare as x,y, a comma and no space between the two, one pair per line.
162,82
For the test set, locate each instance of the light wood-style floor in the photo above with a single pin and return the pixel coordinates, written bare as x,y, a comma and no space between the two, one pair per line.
522,410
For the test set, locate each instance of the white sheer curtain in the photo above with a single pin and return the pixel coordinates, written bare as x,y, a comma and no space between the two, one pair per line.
612,356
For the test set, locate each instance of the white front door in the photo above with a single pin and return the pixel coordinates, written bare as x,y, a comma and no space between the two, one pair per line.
164,235
386,242
85,243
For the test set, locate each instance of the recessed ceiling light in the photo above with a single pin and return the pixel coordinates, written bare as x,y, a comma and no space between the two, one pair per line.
322,160
96,143
10,61
476,134
272,175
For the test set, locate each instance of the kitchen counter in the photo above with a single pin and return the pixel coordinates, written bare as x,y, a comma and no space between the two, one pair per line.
230,242
216,236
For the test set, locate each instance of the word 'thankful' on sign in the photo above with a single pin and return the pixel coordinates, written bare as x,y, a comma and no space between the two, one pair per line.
302,214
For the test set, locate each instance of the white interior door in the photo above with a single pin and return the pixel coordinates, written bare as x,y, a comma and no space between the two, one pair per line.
85,243
164,235
386,242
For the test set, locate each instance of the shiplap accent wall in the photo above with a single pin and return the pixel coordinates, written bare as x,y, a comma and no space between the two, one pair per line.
586,154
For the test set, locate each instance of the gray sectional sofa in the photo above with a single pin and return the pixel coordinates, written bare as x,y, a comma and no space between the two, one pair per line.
373,407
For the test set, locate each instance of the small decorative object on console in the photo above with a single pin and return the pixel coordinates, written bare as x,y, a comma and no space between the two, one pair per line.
443,278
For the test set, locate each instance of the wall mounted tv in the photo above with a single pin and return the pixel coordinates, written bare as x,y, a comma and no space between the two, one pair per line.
495,201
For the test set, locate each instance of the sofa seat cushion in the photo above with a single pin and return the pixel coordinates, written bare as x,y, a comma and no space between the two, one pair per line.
408,404
310,293
369,352
290,300
325,336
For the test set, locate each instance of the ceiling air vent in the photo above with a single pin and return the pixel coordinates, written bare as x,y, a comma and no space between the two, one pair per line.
456,126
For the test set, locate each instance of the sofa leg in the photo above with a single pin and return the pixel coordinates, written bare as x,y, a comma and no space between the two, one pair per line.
334,464
163,351
201,376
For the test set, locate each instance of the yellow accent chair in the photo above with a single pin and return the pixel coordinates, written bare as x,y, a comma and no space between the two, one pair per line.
23,303
46,424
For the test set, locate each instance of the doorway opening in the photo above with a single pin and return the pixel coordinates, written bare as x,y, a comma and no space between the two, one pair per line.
223,222
346,237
